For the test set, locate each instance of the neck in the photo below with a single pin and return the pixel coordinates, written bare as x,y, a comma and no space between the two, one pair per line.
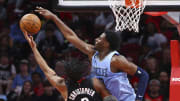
154,94
103,53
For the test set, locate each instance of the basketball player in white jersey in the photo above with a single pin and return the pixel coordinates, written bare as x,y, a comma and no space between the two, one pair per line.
107,63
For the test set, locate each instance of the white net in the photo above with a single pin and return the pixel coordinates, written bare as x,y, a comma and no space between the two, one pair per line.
127,16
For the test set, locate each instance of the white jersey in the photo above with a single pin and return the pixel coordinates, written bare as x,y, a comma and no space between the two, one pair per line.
117,83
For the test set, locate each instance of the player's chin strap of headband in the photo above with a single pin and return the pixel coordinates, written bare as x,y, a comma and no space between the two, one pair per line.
110,98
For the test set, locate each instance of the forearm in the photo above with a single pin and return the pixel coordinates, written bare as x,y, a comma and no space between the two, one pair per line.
42,63
66,31
55,80
142,84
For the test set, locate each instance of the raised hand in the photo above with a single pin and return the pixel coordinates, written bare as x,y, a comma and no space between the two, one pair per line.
29,39
44,12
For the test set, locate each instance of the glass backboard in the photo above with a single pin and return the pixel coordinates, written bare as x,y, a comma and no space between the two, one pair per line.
151,5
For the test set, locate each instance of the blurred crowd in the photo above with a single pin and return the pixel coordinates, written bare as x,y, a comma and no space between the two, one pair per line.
21,79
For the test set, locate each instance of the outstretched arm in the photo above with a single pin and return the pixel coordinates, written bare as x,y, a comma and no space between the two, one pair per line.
55,80
67,32
101,89
121,63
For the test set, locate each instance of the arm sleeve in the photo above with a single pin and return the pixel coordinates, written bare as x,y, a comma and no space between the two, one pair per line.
142,84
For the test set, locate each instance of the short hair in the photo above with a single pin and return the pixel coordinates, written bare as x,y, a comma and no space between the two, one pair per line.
154,80
75,69
114,39
36,73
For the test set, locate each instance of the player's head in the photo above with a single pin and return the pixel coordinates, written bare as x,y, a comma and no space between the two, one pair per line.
75,69
108,39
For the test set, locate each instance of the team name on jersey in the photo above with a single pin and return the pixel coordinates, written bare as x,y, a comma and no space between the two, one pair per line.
79,91
100,71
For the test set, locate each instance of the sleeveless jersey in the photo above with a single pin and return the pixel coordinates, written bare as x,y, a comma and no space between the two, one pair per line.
83,91
117,83
5,72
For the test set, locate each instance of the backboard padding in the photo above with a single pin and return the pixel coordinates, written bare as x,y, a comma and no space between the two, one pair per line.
89,5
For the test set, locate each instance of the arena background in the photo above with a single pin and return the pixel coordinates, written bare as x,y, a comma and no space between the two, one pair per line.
150,49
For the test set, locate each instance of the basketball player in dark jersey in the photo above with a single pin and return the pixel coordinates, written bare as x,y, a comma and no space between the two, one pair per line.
75,87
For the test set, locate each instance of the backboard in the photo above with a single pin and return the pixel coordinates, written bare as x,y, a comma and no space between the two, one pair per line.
89,5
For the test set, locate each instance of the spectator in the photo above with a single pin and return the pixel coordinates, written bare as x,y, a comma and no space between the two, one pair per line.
59,68
164,80
3,98
21,77
33,66
16,33
18,4
6,44
4,31
7,73
154,91
19,42
27,93
49,93
165,61
41,35
50,55
152,67
50,45
166,28
37,82
3,14
155,40
50,38
103,19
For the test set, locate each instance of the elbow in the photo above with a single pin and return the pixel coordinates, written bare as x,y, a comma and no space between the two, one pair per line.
142,74
146,75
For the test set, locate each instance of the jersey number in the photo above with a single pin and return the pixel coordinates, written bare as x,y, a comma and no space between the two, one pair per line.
85,99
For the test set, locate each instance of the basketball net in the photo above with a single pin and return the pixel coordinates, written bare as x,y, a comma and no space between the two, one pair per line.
127,14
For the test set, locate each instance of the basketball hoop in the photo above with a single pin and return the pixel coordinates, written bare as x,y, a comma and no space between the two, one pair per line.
127,15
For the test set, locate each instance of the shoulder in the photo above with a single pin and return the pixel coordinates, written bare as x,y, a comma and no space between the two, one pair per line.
92,52
117,58
17,77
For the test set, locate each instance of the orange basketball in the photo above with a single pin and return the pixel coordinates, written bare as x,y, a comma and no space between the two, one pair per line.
31,23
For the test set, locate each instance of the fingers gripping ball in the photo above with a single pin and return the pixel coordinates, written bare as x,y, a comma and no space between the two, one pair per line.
30,23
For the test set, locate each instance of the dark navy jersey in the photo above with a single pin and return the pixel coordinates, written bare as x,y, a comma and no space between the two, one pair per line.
83,91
